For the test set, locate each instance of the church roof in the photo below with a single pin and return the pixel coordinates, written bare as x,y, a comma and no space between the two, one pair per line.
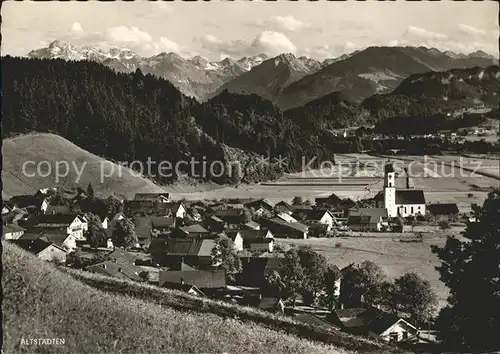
409,196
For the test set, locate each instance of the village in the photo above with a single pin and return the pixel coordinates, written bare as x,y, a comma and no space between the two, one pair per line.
229,249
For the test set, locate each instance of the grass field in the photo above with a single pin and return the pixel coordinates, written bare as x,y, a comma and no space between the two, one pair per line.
394,256
41,301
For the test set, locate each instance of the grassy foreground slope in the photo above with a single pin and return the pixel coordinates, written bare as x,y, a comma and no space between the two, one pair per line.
53,148
41,301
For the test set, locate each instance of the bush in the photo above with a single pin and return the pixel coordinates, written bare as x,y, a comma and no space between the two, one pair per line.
338,245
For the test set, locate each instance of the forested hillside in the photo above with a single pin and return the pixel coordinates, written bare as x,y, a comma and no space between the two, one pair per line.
128,117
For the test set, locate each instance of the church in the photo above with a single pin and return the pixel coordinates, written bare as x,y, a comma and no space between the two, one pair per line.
400,202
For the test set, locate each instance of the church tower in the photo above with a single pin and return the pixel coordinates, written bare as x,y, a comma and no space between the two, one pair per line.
390,190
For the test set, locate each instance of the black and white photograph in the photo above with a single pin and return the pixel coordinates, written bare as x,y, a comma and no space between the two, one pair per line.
238,176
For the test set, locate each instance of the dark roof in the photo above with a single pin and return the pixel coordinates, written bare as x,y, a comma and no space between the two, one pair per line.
202,279
316,214
9,228
58,209
186,288
150,196
57,236
147,207
283,204
253,234
388,168
118,270
359,220
183,247
374,213
443,209
260,202
409,196
301,207
51,220
122,255
162,223
195,228
332,199
297,226
252,225
371,319
312,320
35,246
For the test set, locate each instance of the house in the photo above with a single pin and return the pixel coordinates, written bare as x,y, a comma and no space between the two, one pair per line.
148,208
286,217
195,230
209,282
190,289
159,197
55,209
121,256
116,269
57,236
332,202
283,207
443,211
74,224
321,216
44,249
260,206
12,232
258,240
256,269
284,229
252,225
367,219
105,223
374,323
237,239
172,251
6,209
233,218
401,202
178,210
215,224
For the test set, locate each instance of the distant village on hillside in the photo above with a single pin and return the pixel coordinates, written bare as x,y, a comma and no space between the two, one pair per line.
192,246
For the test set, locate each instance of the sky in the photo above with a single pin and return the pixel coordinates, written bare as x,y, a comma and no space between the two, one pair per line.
220,29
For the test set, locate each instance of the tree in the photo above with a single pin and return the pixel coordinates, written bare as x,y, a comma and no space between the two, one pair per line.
328,298
90,190
470,270
288,279
124,234
113,206
363,281
411,220
96,235
314,268
444,224
225,257
297,200
413,296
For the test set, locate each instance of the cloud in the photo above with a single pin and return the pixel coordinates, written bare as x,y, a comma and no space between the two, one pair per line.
289,23
268,42
417,32
77,28
471,30
282,23
320,52
124,34
273,43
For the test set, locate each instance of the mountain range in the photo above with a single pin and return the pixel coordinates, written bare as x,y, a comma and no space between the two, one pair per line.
286,80
196,77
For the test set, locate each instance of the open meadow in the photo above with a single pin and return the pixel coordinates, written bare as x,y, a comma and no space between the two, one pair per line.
389,251
98,314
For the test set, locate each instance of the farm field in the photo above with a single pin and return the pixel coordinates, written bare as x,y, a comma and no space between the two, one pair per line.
359,176
394,256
